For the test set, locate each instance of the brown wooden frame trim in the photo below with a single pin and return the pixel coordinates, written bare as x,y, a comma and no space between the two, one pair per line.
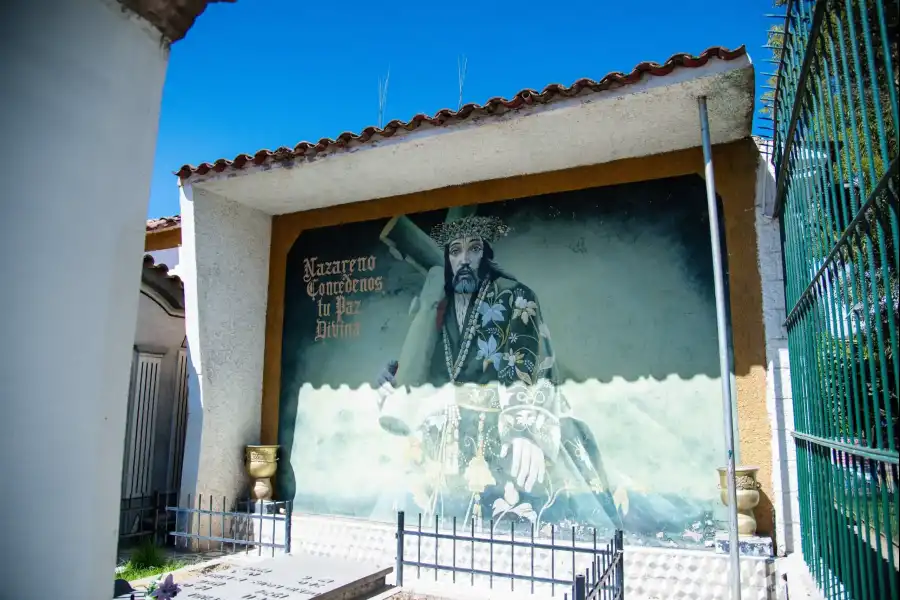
735,172
162,240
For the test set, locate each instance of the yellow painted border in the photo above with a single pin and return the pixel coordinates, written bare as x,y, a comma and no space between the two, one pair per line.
735,172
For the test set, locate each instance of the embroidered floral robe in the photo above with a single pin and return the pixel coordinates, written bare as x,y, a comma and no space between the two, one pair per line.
502,365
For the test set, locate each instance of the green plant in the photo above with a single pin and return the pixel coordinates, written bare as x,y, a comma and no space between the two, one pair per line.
133,573
147,556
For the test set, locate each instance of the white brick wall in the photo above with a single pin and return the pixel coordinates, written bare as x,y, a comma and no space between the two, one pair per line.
779,401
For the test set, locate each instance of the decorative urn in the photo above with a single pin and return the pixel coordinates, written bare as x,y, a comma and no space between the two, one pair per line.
261,463
747,495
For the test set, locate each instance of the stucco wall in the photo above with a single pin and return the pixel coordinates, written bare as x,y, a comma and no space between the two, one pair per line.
225,270
82,81
225,304
735,175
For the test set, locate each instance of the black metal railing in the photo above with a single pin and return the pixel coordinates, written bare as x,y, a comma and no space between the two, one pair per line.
603,574
144,517
248,524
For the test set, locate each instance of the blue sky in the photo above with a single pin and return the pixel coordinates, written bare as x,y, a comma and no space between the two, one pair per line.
268,73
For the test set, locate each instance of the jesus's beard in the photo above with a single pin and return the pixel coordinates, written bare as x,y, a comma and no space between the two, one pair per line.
465,281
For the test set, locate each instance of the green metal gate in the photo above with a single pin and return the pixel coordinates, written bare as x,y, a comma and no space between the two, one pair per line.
835,148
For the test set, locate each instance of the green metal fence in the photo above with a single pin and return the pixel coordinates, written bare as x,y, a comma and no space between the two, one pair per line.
835,124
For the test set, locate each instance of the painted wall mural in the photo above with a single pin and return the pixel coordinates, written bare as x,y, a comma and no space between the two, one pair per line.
548,360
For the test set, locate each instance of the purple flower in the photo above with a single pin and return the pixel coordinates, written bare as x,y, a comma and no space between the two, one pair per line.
167,590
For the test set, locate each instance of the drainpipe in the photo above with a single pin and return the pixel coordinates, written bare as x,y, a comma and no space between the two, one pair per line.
725,351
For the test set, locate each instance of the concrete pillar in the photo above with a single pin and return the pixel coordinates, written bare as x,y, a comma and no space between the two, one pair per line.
225,270
80,96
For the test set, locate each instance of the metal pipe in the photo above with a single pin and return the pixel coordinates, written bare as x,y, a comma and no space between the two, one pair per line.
725,351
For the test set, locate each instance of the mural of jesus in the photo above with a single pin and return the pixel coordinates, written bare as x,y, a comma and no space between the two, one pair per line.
504,444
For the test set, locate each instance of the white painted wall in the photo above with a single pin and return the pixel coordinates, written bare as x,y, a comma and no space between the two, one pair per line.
171,257
778,382
225,270
161,333
81,88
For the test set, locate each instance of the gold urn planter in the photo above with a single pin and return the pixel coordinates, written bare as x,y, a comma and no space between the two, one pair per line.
747,495
261,463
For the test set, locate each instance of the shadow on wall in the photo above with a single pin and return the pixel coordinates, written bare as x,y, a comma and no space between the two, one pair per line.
190,469
623,278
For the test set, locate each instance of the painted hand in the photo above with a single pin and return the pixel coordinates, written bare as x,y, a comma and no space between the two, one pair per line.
528,465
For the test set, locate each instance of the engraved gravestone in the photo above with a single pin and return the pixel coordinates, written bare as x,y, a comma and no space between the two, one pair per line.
284,578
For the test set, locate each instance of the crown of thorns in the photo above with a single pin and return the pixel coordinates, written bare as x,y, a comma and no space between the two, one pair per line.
486,228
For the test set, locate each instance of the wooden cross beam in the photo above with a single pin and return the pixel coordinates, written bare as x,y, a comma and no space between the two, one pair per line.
407,242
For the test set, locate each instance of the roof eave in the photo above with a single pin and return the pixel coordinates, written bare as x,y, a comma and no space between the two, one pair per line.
655,115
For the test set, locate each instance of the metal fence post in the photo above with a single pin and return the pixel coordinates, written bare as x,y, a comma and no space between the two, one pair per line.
399,570
156,518
580,590
620,559
288,512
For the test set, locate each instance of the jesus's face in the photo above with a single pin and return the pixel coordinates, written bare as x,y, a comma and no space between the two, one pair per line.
465,258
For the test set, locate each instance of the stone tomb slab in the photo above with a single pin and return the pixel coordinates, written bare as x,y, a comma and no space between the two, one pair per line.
290,577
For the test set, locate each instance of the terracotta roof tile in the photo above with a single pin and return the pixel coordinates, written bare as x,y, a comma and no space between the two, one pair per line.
162,223
494,106
158,278
159,269
173,18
